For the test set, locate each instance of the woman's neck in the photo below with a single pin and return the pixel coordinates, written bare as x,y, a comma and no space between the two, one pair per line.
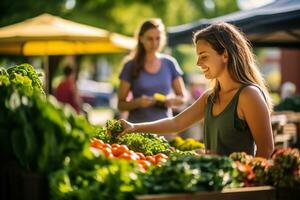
227,84
150,57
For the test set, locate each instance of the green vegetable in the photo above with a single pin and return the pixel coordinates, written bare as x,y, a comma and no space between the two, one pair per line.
88,177
113,128
35,129
189,174
148,144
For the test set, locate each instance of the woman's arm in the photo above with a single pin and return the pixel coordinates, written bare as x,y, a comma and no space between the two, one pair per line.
176,124
76,96
124,105
180,92
255,112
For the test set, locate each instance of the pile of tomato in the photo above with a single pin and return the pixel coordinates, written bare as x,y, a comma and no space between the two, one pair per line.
123,152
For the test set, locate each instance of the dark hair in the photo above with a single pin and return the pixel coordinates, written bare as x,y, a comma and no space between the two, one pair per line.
241,63
139,52
68,70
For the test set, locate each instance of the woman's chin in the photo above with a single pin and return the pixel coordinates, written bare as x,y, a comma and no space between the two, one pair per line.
207,76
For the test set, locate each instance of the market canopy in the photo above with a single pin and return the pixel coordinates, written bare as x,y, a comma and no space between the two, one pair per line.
275,24
50,35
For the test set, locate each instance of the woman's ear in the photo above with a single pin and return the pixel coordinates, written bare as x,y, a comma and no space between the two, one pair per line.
225,56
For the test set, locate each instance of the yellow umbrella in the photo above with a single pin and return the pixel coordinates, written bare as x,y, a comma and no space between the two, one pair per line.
51,35
47,35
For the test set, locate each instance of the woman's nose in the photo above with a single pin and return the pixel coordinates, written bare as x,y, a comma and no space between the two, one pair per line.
199,62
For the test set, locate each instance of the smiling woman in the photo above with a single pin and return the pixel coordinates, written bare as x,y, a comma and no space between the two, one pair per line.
211,64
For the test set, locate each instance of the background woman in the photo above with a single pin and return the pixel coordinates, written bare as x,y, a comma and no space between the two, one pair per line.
148,72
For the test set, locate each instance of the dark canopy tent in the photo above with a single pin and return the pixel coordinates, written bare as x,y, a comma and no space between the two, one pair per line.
275,24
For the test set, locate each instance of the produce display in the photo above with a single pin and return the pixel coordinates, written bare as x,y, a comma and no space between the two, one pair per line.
252,171
283,170
82,161
123,152
89,177
146,143
190,174
37,130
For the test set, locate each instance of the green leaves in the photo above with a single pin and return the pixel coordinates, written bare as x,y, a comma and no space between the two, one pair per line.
146,143
24,79
113,128
189,174
95,178
34,128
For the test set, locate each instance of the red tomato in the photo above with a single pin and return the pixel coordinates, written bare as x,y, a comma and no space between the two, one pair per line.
160,155
115,145
145,163
97,143
115,151
125,156
133,154
141,155
123,148
151,159
107,145
107,151
109,155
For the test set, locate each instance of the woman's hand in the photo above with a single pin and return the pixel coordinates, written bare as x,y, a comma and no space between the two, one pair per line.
127,127
145,101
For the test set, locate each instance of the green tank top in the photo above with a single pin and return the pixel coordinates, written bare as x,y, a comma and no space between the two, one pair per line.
226,132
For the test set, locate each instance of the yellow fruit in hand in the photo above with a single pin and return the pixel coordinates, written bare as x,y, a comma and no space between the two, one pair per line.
159,97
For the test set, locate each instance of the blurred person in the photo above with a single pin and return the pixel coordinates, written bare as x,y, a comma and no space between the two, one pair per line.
198,85
288,89
236,109
67,91
147,72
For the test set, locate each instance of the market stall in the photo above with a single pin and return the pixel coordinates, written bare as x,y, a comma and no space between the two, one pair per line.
49,152
47,35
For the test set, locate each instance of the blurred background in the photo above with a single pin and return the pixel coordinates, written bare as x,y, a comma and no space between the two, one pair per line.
98,69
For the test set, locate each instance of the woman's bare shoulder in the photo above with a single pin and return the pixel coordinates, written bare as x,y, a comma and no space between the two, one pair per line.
251,94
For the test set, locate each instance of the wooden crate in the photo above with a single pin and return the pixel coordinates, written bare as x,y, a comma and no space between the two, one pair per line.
287,193
248,193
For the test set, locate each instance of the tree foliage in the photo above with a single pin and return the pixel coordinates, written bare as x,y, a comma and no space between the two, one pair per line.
122,16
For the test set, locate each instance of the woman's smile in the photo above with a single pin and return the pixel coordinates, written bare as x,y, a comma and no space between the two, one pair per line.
204,70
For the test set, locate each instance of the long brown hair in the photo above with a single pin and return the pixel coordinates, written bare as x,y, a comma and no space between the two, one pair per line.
139,53
241,62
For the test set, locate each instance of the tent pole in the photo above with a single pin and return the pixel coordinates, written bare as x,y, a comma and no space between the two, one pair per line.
46,71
